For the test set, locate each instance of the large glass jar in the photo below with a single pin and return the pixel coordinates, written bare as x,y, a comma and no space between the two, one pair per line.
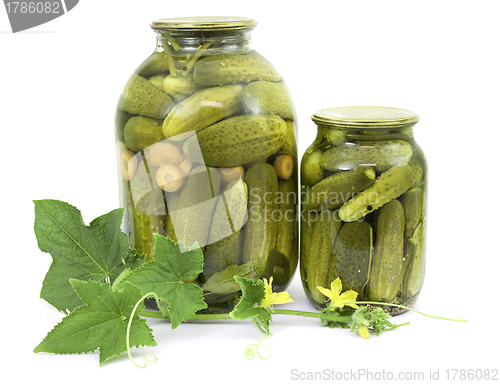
363,206
207,154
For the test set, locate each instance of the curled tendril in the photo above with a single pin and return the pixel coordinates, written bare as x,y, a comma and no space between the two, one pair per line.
461,319
250,351
127,337
146,360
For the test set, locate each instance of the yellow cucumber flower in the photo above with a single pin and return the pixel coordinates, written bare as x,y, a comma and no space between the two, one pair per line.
273,298
363,331
337,299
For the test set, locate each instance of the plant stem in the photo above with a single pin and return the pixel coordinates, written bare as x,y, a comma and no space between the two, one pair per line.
198,316
170,61
224,316
409,309
317,315
195,57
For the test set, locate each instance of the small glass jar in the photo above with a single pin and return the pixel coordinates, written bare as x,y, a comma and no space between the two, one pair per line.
207,155
363,206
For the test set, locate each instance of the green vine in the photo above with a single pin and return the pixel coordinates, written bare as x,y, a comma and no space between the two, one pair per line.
109,308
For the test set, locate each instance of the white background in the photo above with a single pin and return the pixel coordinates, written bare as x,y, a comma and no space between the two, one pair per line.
59,87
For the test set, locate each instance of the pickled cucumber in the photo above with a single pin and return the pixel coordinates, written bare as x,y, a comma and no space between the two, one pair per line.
290,144
223,283
260,229
388,186
418,172
179,87
153,65
414,205
231,211
121,118
238,140
412,201
287,202
293,258
307,221
352,256
157,80
324,237
235,198
333,191
267,97
202,109
147,196
311,171
278,267
172,205
335,136
380,154
416,270
225,240
140,132
142,226
232,69
387,270
127,161
140,97
196,205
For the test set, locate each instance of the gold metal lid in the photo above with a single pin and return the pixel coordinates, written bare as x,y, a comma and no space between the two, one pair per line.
204,23
365,117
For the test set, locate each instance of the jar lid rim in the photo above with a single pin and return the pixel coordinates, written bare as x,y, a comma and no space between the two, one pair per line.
365,116
196,23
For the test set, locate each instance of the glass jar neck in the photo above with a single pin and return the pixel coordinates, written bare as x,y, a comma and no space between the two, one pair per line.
366,133
187,43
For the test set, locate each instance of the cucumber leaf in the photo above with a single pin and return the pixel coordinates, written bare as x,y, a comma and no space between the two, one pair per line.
98,252
168,276
100,324
253,292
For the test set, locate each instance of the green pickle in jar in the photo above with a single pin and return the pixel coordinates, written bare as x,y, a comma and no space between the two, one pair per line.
207,156
363,206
